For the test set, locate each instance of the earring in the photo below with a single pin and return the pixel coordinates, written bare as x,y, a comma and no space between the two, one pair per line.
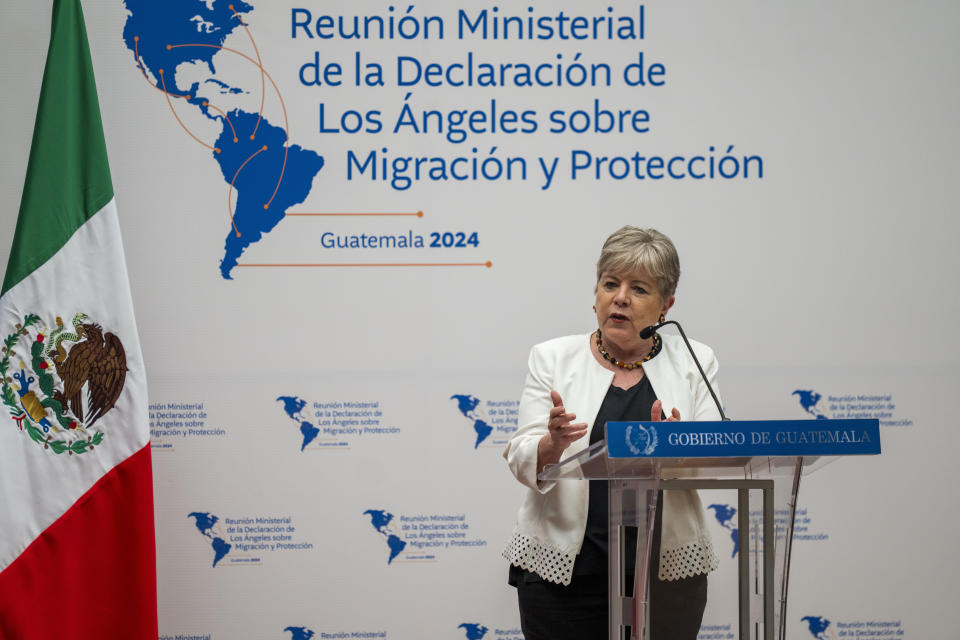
662,319
594,308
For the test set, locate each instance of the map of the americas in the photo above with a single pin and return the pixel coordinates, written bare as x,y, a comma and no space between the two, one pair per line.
809,400
380,520
817,626
473,631
467,405
292,406
204,523
723,514
300,633
165,35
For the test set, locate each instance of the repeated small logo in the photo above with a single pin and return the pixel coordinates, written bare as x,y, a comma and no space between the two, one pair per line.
641,440
303,633
473,630
821,628
335,424
420,537
804,529
496,418
76,385
477,631
248,540
878,406
723,514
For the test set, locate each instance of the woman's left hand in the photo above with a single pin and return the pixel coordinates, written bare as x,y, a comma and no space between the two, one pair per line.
656,411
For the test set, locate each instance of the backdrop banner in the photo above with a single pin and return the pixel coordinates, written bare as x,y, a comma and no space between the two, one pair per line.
346,223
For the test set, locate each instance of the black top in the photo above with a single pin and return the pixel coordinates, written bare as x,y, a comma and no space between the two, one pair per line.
619,405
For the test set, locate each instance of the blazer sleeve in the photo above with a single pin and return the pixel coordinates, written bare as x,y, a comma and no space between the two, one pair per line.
533,413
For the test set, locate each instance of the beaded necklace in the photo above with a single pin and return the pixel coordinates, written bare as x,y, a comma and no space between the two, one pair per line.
654,350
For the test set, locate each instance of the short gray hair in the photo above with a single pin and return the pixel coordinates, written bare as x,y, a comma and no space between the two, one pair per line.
631,248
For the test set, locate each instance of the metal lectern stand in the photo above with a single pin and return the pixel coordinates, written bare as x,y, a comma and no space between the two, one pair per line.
635,479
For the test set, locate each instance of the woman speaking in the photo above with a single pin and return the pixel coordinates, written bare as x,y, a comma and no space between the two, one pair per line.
575,385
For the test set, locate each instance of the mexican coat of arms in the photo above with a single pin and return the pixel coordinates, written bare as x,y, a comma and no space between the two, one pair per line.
57,384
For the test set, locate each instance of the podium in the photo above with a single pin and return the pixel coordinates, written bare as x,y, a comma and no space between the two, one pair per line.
762,460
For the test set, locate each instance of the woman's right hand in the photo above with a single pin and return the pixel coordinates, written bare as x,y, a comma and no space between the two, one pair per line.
561,432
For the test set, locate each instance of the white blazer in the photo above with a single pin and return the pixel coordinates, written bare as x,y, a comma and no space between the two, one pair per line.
552,518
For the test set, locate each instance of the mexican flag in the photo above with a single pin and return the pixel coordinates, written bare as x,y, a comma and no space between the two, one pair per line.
77,551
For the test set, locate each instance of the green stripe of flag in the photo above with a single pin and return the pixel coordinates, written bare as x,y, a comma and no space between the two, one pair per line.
68,176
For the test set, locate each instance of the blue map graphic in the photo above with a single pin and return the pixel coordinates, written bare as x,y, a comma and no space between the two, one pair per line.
817,626
300,633
293,405
467,405
473,631
724,515
259,169
225,88
205,523
380,520
809,400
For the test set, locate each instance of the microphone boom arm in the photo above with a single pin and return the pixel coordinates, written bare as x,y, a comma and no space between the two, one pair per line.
649,331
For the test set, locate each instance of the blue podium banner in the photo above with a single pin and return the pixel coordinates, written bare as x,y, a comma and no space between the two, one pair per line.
742,438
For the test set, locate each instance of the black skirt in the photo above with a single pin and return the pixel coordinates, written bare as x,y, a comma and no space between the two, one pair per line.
550,611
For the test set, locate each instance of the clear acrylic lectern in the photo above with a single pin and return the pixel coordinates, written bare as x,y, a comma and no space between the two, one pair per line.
767,484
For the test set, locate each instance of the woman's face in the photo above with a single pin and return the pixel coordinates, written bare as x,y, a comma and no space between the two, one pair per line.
626,304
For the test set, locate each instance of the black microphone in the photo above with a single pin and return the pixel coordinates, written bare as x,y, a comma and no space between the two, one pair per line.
648,332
